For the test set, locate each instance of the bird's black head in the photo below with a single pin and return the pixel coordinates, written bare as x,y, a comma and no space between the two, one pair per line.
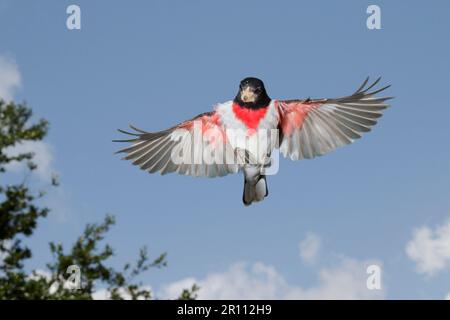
252,94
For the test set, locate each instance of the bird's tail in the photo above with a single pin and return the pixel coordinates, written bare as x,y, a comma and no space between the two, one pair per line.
255,186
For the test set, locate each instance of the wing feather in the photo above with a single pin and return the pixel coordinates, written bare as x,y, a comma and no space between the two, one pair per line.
153,152
314,127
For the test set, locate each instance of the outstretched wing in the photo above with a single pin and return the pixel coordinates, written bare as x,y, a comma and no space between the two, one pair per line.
197,147
314,127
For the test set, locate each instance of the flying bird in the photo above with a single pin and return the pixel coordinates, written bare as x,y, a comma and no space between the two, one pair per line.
240,135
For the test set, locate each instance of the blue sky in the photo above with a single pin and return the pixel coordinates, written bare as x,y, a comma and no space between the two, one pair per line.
154,64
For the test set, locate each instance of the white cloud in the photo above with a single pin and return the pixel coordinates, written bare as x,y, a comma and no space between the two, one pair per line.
447,297
40,274
10,79
309,248
103,294
7,245
43,158
261,281
57,199
430,249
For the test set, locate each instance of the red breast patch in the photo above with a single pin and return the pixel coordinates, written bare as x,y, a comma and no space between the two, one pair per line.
249,117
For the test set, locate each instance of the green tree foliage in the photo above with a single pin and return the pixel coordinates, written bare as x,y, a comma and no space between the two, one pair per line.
19,215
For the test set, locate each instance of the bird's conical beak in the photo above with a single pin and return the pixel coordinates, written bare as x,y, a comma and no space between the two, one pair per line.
247,95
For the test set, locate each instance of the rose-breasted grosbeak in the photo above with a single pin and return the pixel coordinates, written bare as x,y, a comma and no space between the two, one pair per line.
239,135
